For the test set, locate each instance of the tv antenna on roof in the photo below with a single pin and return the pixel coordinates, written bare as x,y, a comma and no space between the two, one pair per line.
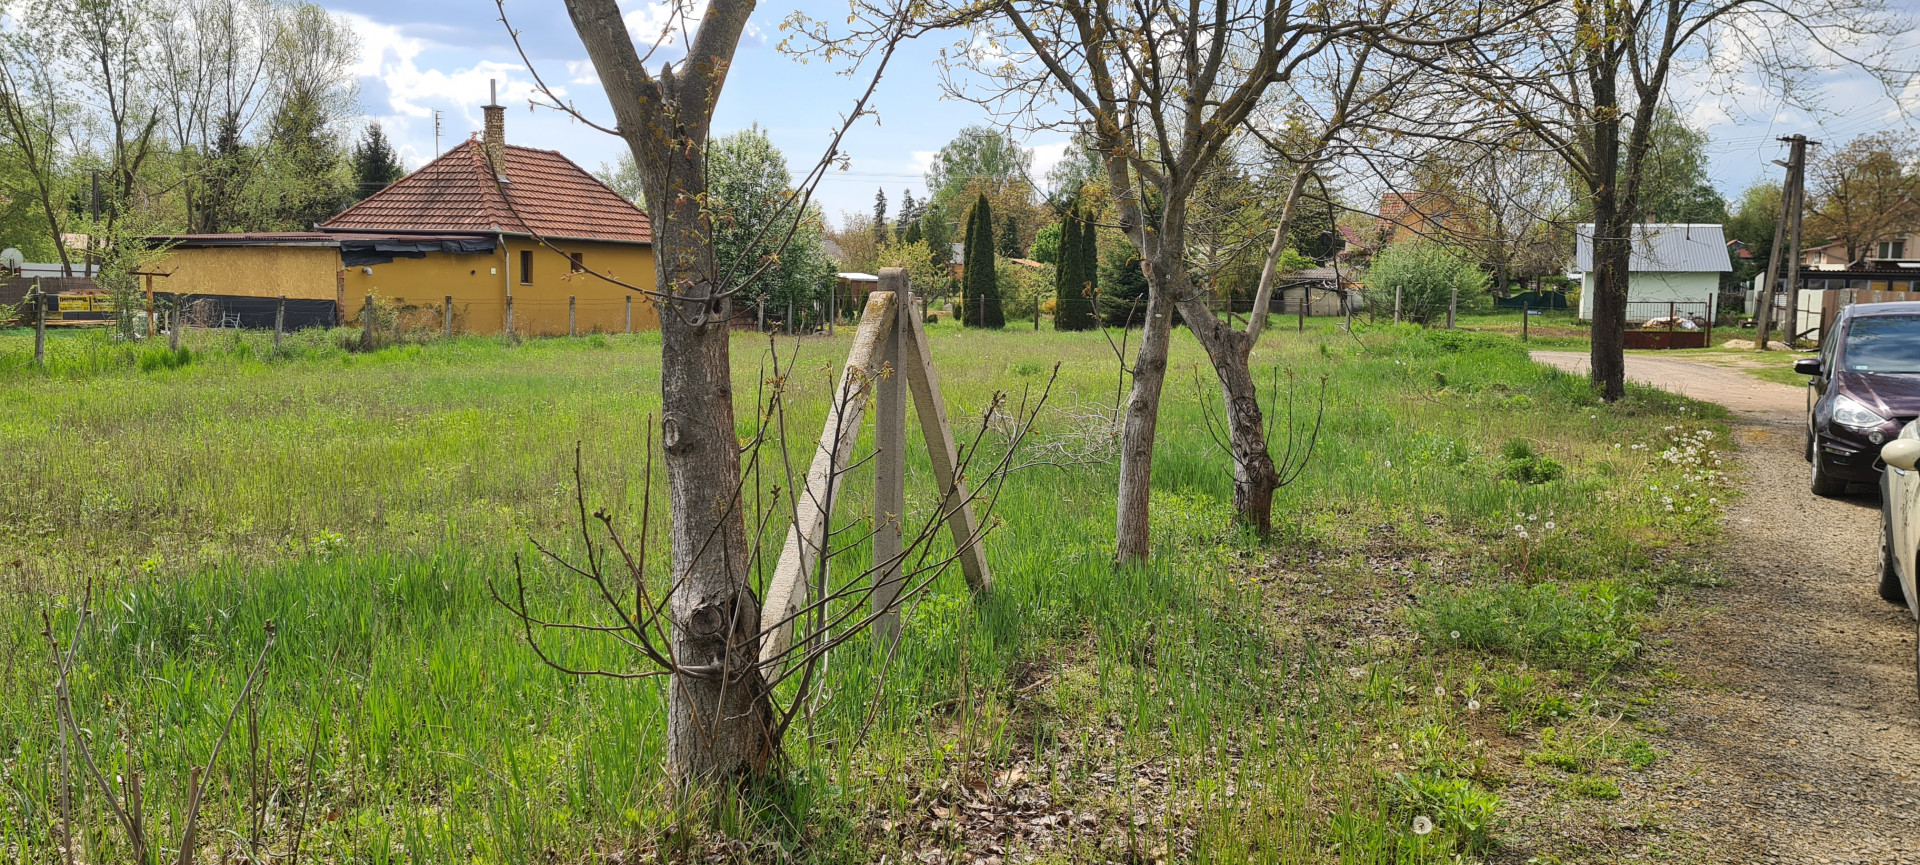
436,132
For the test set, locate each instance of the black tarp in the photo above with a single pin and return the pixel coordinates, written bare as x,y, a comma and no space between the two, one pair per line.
359,252
227,310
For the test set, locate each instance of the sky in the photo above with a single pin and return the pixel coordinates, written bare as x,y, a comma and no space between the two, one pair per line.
426,55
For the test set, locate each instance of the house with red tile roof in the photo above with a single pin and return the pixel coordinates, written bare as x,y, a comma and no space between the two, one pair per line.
507,238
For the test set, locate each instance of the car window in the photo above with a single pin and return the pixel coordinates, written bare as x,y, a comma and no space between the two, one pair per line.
1827,348
1882,343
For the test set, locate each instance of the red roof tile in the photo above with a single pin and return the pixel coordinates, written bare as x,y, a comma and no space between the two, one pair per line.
547,194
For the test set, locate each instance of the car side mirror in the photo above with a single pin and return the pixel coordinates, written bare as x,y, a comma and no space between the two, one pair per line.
1807,366
1902,454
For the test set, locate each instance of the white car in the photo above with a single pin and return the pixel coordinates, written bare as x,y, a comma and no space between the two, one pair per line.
1900,526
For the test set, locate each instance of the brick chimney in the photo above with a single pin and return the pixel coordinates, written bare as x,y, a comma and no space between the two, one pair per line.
495,139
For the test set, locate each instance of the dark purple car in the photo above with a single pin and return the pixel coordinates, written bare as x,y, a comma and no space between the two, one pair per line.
1862,388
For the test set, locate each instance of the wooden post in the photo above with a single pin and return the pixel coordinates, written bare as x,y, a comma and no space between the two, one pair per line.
366,324
890,465
571,331
833,307
629,313
446,317
1453,303
931,408
1396,304
1713,311
150,325
279,321
39,328
790,328
1300,310
807,537
1346,304
1525,315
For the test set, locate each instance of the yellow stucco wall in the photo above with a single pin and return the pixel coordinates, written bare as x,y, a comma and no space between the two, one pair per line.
480,284
305,272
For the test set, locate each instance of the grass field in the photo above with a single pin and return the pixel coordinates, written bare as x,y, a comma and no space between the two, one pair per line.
1451,610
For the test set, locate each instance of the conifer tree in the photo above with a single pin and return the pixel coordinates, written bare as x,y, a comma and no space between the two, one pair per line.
1073,307
982,282
1010,238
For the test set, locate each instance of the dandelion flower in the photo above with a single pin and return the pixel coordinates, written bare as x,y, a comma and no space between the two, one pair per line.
1389,463
1473,705
1422,825
1439,690
1455,635
1549,525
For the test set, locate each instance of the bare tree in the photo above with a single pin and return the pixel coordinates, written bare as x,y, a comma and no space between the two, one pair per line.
1158,91
1588,80
1866,192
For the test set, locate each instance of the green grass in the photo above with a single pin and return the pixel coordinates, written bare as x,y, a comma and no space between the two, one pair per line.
1206,707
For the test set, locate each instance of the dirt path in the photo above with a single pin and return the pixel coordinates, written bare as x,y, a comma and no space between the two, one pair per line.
1793,724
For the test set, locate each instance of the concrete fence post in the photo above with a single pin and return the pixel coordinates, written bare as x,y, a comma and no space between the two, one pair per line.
629,313
1396,304
279,321
39,328
446,315
571,329
509,315
1453,304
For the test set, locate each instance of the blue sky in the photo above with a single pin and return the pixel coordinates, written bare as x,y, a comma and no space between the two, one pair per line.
423,55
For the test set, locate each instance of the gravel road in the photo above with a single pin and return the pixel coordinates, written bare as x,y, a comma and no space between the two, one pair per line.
1792,723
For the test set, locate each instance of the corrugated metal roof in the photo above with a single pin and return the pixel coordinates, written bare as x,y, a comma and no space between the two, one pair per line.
1666,248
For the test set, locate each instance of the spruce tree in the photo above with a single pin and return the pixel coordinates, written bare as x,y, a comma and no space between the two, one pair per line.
1010,238
375,165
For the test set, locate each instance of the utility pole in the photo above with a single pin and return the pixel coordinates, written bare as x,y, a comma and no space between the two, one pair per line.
1787,226
1799,158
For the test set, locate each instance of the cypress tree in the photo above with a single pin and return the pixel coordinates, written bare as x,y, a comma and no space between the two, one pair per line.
983,289
967,307
1010,238
1073,308
1089,267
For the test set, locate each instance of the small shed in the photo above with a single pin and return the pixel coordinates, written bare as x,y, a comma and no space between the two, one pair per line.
1671,263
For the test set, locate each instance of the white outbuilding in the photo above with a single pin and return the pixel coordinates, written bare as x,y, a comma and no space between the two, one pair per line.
1676,263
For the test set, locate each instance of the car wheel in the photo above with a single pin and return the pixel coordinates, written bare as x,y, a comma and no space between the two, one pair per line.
1825,485
1890,590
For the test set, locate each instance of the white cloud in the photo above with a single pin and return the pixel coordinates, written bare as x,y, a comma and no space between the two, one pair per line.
1045,157
923,159
393,58
666,23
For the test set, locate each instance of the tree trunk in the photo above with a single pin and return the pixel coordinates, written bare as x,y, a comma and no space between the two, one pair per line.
1132,542
720,719
1612,248
1254,477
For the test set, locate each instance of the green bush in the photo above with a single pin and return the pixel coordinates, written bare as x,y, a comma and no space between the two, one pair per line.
1427,274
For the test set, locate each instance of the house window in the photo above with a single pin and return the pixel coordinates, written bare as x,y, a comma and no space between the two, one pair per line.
1891,249
526,267
577,266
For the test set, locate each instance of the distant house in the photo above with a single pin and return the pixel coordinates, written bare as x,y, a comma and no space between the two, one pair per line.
1891,252
1405,216
1670,263
494,227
